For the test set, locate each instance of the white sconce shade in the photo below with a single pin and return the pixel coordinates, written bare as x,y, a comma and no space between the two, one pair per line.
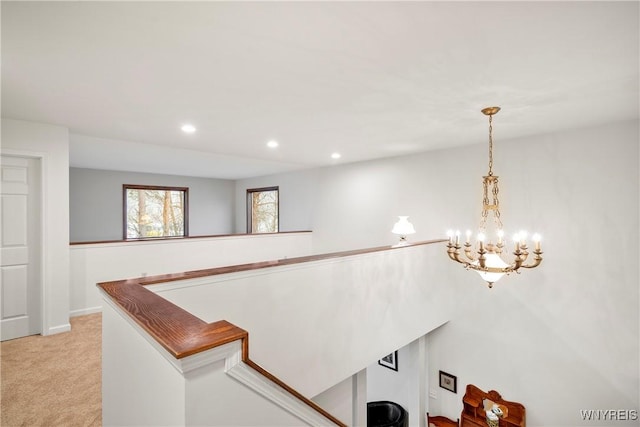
403,228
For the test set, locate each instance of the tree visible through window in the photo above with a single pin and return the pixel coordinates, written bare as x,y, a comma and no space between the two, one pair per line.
262,210
151,211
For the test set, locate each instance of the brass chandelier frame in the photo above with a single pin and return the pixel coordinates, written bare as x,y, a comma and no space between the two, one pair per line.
478,261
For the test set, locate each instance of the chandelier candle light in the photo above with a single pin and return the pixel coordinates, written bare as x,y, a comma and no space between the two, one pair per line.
487,260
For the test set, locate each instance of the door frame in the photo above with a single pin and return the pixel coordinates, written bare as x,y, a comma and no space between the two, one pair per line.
42,238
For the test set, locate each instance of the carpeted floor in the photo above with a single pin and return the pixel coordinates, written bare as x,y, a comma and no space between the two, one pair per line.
53,380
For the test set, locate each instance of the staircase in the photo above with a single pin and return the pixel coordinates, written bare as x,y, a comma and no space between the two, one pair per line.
176,348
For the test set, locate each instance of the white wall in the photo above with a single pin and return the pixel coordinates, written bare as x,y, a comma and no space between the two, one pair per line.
103,262
347,400
571,325
51,144
296,199
402,386
559,338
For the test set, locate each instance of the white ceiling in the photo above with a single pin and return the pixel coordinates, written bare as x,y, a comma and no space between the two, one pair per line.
366,79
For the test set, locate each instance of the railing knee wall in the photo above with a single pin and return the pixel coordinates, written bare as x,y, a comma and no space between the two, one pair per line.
315,321
314,324
144,385
94,262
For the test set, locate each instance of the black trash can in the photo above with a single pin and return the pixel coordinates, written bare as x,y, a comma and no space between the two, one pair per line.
386,414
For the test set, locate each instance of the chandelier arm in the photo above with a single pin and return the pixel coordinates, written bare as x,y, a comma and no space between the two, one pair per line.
451,251
537,259
453,256
520,258
468,253
454,253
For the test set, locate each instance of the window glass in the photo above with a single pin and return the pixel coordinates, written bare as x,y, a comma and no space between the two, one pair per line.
262,210
151,212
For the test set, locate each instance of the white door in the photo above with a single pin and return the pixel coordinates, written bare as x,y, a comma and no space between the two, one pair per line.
20,285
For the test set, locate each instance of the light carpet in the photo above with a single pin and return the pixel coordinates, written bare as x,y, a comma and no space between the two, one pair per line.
53,380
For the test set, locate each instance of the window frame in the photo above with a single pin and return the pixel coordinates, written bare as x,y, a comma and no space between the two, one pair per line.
250,191
185,210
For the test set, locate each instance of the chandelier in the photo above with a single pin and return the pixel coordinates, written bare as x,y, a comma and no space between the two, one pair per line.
487,259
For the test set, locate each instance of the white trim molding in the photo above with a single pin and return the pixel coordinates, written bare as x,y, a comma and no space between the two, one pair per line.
57,329
248,376
85,311
45,328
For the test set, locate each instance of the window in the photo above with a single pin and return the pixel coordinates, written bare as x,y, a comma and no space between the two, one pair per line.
262,210
155,212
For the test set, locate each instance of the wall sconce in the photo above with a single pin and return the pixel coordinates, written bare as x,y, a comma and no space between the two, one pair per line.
403,228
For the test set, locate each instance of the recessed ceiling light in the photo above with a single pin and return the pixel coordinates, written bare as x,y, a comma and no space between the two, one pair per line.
188,128
335,156
272,144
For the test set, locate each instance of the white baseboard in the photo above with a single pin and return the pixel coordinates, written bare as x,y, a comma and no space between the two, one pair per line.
57,329
84,311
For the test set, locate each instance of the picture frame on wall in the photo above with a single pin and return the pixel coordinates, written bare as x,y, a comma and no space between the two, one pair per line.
449,382
390,361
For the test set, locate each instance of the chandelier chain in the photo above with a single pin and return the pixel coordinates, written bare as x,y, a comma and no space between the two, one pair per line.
485,203
496,203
